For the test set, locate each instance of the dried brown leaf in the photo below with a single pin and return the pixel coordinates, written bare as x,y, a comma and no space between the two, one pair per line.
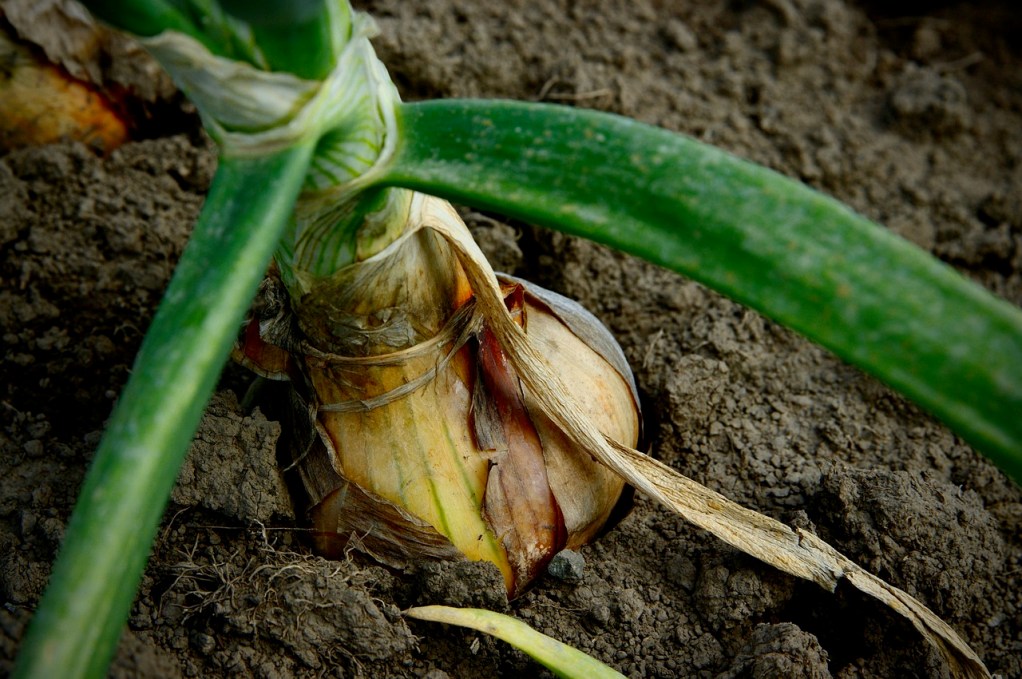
795,552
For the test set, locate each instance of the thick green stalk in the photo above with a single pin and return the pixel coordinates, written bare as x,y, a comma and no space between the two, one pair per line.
769,242
79,621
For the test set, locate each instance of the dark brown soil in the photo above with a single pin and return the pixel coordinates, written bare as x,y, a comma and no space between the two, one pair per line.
911,113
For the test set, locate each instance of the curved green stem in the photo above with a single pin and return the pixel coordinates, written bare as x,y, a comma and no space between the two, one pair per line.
561,659
797,256
78,623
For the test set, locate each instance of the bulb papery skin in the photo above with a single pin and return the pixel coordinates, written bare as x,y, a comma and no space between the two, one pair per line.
412,434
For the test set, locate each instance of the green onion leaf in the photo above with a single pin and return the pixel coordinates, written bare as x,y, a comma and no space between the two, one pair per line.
78,623
789,252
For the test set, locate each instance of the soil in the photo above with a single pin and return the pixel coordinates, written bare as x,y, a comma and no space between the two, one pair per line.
910,112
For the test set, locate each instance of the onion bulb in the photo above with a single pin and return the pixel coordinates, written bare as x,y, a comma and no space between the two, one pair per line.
414,436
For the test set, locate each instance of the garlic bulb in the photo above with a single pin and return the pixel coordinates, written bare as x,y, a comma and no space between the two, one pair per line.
415,437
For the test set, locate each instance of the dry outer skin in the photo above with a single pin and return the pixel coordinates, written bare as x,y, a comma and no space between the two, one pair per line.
914,119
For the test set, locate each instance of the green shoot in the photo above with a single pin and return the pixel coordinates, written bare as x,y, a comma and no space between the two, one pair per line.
559,658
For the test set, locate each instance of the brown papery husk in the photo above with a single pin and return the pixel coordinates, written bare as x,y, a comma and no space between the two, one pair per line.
413,432
793,551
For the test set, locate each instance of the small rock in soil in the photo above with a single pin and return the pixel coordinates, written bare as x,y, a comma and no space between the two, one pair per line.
567,566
